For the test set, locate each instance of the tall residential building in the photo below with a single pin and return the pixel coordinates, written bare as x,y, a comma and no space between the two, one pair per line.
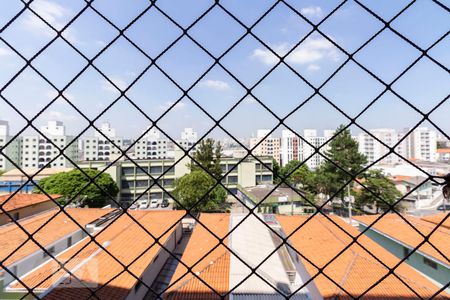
98,147
373,146
313,140
290,147
188,138
11,150
423,143
151,146
266,146
36,151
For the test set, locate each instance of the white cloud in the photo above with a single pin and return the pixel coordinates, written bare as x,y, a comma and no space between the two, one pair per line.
312,11
215,84
169,104
310,51
54,13
5,52
120,83
59,116
313,67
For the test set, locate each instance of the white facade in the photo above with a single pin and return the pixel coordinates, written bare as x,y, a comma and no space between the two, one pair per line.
188,138
423,143
266,146
151,146
99,147
36,151
11,151
310,135
290,147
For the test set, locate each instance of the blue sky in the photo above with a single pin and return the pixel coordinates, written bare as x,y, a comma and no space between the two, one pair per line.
315,59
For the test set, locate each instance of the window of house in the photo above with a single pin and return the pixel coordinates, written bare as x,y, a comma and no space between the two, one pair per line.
405,252
430,263
50,250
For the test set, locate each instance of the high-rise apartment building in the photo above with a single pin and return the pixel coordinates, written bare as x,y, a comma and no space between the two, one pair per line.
188,138
36,151
99,146
151,146
290,147
11,150
311,142
266,145
423,143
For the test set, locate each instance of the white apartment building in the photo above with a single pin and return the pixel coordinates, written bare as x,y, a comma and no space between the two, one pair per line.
423,143
306,150
290,147
374,149
188,138
151,146
98,147
36,151
268,146
11,151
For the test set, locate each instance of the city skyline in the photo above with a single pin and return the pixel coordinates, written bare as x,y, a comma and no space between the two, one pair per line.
316,58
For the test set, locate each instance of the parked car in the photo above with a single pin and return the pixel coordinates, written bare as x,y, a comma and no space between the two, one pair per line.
441,207
154,203
143,204
165,203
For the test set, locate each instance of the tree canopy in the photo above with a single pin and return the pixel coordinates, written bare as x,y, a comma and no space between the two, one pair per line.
192,187
208,155
380,186
69,184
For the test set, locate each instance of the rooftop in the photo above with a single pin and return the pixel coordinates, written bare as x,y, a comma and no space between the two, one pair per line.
355,270
23,200
58,226
21,175
280,194
437,218
125,240
396,228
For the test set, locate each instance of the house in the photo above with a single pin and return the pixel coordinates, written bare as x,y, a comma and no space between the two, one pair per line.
358,269
14,207
128,241
402,235
53,230
419,190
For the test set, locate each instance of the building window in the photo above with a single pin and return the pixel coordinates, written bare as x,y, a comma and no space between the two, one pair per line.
50,250
406,252
69,241
430,263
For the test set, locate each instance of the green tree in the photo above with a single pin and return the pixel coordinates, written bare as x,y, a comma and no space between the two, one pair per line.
276,171
381,186
343,152
208,155
194,186
69,184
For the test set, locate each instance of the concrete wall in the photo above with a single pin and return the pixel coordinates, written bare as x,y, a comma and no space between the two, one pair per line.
416,260
27,211
35,259
150,274
246,174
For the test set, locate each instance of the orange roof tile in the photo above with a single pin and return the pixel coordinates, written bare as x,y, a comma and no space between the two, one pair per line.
214,269
12,236
355,270
23,200
393,226
437,218
443,150
125,240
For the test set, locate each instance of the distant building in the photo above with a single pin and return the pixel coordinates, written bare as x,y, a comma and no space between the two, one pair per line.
20,206
133,180
266,145
423,143
401,238
151,146
372,146
314,141
443,154
37,151
99,146
188,138
290,147
11,150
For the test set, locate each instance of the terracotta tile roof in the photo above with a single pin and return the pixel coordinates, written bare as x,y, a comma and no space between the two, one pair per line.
437,218
393,226
23,200
443,150
355,269
125,240
214,269
11,236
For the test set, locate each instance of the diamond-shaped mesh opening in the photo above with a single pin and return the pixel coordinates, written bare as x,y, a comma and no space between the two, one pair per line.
306,210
